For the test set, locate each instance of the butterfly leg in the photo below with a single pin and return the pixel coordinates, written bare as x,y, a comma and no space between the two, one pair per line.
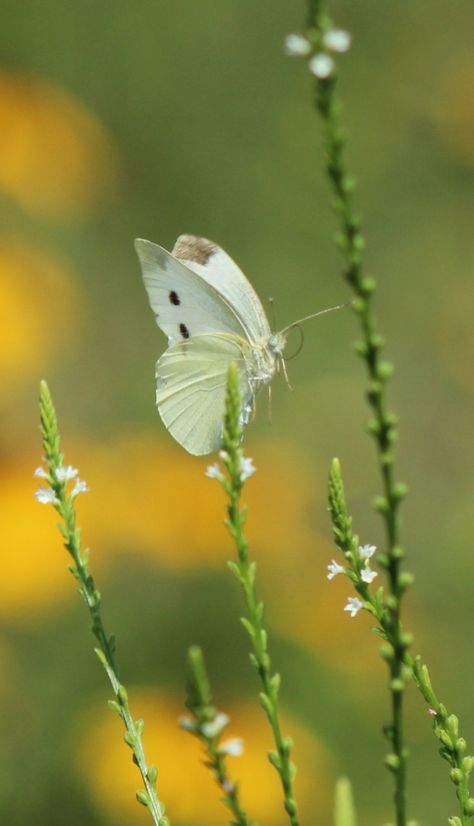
254,408
269,404
285,374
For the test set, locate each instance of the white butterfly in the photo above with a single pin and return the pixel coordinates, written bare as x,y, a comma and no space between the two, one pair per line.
212,317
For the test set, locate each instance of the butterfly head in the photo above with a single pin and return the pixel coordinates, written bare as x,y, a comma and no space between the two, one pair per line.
277,343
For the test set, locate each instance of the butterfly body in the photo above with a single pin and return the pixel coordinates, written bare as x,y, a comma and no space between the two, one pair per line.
212,317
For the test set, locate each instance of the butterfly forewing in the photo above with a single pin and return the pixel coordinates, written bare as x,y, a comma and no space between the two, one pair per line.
184,303
191,379
217,269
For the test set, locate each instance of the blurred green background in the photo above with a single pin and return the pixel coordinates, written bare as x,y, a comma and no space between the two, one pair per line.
151,119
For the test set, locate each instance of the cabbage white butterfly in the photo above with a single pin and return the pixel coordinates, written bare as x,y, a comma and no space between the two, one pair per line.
212,317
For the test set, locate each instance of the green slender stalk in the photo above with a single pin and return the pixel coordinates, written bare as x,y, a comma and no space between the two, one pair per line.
445,726
63,500
382,426
344,809
238,468
207,725
453,746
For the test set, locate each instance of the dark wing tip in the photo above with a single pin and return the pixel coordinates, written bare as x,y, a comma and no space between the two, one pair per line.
194,248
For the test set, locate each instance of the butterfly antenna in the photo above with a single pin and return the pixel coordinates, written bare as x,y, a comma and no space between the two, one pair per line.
272,305
314,315
300,345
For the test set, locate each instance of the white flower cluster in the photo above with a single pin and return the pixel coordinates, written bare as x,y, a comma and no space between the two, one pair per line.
247,468
321,64
365,552
233,746
47,496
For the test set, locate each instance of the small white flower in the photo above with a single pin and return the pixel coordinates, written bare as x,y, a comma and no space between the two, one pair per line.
187,724
214,472
79,487
234,747
247,468
367,575
64,474
215,726
353,606
337,40
223,455
40,473
321,65
296,45
334,569
366,551
46,496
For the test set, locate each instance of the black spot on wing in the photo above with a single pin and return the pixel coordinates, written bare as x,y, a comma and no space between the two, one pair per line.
184,331
174,298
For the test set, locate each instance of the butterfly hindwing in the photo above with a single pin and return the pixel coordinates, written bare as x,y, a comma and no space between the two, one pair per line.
191,379
184,303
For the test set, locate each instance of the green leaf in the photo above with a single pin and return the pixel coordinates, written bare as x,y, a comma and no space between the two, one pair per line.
235,568
248,626
152,774
142,797
130,739
274,759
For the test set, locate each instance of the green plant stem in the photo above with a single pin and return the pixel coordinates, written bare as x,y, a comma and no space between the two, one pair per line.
445,726
382,426
245,571
65,506
206,727
453,745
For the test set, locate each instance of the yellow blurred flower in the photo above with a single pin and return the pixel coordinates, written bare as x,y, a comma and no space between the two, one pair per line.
156,499
34,564
184,784
56,158
33,284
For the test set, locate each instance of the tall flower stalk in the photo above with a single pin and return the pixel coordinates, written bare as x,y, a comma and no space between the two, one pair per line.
58,493
238,469
383,424
208,724
319,43
323,40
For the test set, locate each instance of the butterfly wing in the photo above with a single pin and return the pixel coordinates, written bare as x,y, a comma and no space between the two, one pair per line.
184,302
218,270
191,379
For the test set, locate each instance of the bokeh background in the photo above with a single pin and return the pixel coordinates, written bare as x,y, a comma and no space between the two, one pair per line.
150,119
